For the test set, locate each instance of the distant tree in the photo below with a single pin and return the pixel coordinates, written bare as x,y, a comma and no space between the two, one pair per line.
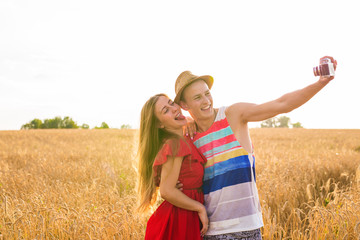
297,125
282,122
269,123
125,126
56,122
279,122
67,122
26,126
34,124
52,123
103,126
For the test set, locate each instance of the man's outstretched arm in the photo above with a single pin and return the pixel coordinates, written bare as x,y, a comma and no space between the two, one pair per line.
248,112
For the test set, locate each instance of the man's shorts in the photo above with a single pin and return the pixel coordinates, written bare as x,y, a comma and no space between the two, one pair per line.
245,235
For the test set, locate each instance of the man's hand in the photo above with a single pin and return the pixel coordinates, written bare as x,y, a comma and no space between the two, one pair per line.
324,79
179,185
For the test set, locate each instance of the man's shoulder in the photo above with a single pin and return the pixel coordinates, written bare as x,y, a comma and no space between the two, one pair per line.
238,108
235,112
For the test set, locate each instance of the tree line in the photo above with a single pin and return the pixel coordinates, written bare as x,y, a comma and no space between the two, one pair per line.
63,123
68,123
279,122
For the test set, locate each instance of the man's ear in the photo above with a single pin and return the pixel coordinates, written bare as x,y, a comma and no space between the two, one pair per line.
183,105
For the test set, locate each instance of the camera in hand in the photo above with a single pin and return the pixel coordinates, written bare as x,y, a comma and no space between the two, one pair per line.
325,69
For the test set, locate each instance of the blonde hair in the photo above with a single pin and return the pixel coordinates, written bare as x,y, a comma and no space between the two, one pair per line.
151,139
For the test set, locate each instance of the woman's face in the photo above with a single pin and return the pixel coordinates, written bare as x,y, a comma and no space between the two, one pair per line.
169,115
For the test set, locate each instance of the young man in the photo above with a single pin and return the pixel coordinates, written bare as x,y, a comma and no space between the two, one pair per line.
231,197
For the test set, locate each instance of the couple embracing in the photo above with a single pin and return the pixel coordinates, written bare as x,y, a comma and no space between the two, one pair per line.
218,198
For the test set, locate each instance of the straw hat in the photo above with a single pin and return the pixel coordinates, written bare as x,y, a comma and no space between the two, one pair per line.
185,78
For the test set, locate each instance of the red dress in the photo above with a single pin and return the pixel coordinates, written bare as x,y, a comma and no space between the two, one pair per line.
169,221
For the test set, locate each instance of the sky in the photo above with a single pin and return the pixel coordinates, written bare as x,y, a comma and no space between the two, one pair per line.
99,61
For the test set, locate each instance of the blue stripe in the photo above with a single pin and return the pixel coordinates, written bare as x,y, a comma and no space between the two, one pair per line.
228,165
237,176
213,136
221,148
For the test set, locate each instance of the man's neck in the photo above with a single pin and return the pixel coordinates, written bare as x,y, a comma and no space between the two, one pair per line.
204,124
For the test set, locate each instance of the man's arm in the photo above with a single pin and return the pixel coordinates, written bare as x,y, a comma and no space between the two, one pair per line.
248,112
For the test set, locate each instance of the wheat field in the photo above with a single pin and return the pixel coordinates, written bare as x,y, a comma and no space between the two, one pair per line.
80,184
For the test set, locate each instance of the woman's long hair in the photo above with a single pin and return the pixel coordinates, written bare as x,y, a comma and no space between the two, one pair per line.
151,140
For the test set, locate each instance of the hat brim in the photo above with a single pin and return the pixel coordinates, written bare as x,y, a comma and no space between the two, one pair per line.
209,80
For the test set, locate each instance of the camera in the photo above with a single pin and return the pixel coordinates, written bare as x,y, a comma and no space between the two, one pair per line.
325,69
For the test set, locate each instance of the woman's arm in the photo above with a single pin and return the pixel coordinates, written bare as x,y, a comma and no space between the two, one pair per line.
169,176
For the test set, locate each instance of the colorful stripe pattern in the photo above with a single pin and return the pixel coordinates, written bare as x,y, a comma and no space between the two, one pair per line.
229,187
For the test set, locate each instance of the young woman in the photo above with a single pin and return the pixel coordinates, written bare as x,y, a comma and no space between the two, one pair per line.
165,157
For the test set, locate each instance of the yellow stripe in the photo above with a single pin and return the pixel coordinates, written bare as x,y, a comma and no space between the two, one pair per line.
225,156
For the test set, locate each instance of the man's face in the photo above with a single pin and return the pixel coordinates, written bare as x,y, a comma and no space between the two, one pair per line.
198,101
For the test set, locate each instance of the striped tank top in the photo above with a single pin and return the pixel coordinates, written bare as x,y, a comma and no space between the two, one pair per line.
230,193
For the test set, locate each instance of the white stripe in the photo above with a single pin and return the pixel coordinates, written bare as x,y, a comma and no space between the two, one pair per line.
221,114
229,193
236,200
246,223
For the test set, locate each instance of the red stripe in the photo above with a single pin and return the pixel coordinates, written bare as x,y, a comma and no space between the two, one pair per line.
216,126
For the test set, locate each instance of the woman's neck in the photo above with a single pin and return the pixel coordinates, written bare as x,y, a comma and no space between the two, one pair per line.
178,132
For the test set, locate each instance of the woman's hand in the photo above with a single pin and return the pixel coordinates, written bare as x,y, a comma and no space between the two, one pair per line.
204,220
190,128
